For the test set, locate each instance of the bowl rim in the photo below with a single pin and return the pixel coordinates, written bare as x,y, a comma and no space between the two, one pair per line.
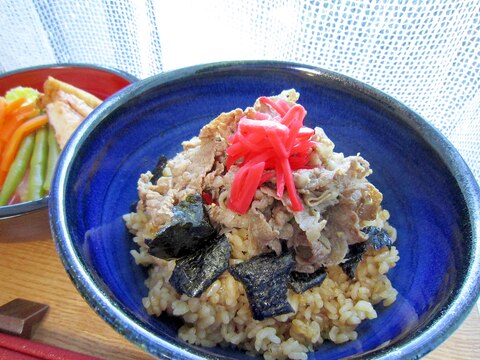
412,346
26,207
121,73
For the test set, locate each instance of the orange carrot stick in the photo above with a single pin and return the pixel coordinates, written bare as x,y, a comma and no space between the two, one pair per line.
15,112
13,143
2,113
27,114
2,121
27,107
14,104
11,124
3,176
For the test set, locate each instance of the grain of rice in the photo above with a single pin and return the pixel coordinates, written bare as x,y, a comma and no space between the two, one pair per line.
264,337
190,318
179,308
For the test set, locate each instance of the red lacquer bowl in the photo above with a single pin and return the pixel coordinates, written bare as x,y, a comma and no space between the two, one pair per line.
97,80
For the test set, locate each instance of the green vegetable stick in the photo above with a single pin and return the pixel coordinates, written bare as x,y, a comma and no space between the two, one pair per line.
53,153
38,165
17,169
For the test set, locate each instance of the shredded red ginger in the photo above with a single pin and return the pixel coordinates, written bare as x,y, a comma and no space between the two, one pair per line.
266,147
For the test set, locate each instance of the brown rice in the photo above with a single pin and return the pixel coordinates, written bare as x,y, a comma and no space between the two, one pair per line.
221,316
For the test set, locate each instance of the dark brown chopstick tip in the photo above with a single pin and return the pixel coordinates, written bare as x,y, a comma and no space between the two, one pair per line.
21,317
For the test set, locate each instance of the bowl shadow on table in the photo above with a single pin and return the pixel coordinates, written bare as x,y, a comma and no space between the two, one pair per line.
29,227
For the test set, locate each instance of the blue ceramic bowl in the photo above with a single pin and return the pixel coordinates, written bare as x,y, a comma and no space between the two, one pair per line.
428,189
98,80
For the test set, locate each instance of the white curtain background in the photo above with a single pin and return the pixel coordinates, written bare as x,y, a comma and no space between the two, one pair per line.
426,53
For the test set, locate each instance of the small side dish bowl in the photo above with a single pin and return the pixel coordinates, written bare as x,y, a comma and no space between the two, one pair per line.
97,80
427,187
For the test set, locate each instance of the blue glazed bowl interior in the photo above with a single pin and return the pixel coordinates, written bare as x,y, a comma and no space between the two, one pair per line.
431,196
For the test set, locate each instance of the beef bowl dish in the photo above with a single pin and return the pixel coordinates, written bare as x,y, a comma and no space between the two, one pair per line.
267,210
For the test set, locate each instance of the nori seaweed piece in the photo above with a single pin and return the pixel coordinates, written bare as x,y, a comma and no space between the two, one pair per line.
265,278
158,170
189,231
133,206
353,257
194,273
301,282
377,237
